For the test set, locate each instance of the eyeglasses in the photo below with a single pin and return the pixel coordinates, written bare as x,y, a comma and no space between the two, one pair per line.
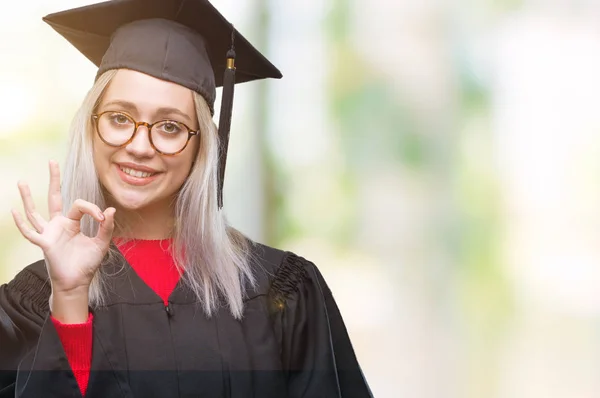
167,137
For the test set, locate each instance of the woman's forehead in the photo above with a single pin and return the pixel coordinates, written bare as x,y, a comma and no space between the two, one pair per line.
147,93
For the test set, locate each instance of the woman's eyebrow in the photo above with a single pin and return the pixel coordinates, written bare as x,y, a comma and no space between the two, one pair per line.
160,112
130,106
168,111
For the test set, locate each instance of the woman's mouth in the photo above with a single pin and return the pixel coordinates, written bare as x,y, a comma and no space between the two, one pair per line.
135,173
135,177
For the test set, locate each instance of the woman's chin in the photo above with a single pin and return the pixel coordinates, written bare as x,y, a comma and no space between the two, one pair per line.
131,202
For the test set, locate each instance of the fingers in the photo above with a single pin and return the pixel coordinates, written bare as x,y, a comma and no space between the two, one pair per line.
107,226
54,194
25,229
81,207
33,216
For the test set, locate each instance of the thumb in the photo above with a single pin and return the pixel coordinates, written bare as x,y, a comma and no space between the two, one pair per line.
107,226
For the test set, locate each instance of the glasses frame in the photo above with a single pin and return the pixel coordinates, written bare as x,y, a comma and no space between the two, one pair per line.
96,117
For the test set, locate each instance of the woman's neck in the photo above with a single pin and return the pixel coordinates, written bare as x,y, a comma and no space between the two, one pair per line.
145,224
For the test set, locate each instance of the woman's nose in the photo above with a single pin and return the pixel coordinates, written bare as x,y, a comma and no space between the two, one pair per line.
140,146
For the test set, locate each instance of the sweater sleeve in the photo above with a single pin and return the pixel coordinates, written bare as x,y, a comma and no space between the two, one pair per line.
33,362
77,343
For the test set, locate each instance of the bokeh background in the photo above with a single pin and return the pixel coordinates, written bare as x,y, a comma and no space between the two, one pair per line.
438,160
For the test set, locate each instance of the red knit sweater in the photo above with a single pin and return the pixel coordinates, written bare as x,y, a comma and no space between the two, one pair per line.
153,262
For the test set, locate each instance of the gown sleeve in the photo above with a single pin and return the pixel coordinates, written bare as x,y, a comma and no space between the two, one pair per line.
315,347
32,359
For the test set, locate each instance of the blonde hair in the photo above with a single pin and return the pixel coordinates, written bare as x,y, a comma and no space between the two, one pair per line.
214,256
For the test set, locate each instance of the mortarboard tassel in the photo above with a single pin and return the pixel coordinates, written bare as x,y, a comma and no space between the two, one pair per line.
225,117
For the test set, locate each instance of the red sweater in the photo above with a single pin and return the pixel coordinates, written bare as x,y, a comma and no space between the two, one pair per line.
153,262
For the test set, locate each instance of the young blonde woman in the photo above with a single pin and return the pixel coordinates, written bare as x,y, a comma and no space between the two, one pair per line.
144,290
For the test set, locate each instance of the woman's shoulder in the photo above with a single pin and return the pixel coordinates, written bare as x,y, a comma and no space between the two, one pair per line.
31,283
278,273
27,293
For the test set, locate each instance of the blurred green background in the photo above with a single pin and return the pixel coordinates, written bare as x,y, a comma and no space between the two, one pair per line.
439,161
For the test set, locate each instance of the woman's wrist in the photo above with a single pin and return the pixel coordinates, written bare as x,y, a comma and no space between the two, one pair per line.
70,308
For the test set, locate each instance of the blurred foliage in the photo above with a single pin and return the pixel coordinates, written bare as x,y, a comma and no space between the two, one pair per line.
484,291
33,137
378,130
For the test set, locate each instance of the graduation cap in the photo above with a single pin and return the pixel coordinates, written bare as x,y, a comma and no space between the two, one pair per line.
187,42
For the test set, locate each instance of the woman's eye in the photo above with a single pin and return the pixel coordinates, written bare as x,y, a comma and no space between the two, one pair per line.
170,127
118,118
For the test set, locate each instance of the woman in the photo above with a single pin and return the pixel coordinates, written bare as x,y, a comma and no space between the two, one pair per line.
145,290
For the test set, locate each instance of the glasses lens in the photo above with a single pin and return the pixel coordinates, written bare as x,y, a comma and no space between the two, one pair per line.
115,128
169,136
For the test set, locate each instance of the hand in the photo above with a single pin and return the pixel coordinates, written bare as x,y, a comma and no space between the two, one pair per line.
72,258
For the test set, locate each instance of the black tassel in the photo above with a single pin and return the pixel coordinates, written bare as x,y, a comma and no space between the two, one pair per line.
225,118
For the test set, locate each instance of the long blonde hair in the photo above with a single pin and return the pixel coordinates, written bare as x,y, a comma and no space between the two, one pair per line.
214,256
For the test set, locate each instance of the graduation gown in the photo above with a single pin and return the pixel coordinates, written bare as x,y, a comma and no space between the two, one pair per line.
291,342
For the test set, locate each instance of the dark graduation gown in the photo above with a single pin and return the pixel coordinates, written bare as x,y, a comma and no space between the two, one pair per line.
291,342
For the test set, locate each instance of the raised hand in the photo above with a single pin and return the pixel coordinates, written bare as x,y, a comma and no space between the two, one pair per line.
72,257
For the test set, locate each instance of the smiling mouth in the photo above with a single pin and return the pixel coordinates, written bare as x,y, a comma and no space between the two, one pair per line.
136,173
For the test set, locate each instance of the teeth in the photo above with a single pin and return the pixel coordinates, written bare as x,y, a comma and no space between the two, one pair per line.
136,173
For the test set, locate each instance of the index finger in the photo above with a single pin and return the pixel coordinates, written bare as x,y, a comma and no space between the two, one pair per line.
54,195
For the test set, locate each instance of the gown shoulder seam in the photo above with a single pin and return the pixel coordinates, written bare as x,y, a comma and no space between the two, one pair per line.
28,285
289,277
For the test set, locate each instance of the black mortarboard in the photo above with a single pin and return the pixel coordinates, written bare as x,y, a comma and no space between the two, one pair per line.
187,42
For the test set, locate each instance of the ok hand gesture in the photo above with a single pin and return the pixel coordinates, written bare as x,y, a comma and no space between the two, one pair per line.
72,257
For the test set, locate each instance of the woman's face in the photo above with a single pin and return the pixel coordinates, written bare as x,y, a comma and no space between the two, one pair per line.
145,99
